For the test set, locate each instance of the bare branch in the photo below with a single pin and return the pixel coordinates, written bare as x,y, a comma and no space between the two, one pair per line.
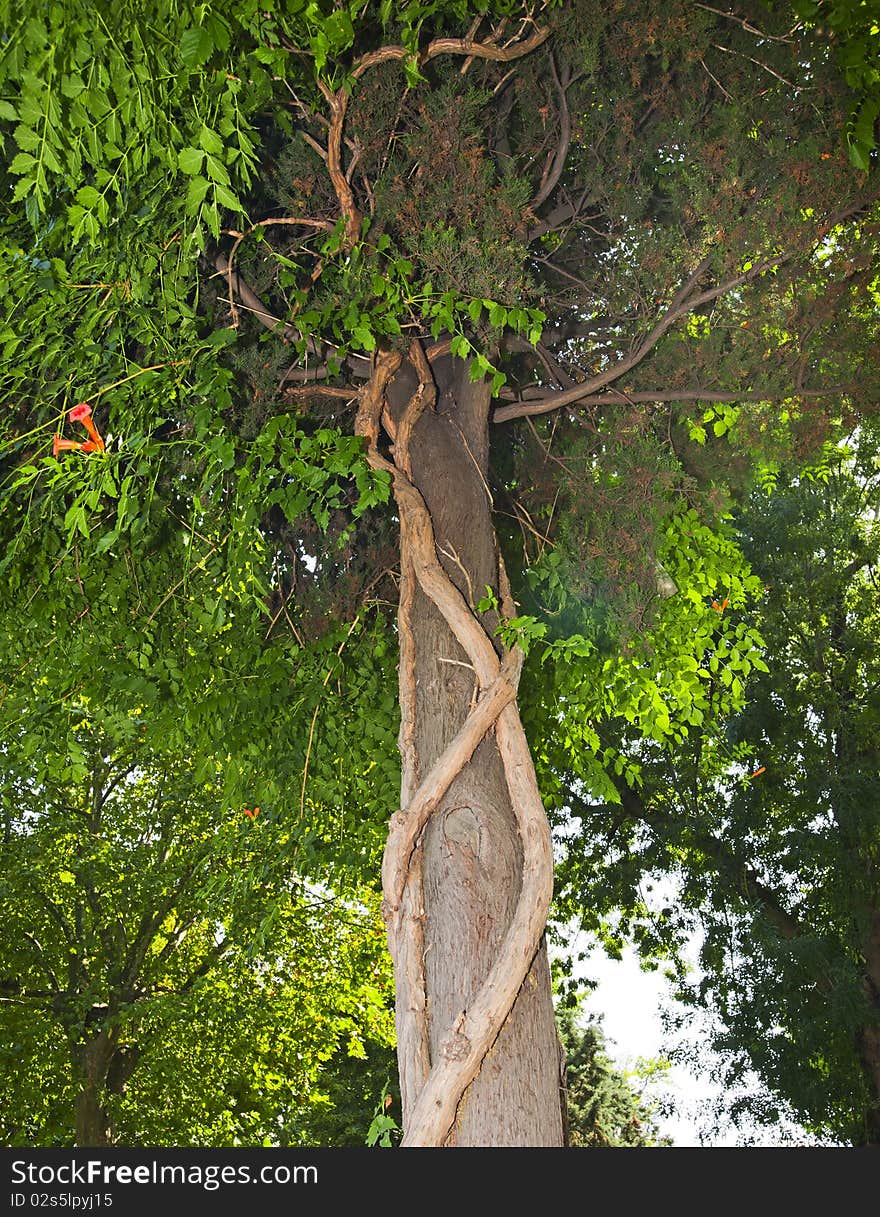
746,25
349,394
454,46
563,214
681,305
338,103
554,171
523,409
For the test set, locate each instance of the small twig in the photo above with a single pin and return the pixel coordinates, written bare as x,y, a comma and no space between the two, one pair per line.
303,222
459,663
476,464
452,554
760,64
313,144
553,172
746,25
180,582
715,78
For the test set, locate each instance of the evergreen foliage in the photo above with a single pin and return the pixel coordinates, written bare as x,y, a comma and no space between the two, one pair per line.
653,245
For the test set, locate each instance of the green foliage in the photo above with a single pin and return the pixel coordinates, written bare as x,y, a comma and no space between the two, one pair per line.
382,1127
605,1109
853,27
213,592
142,911
766,818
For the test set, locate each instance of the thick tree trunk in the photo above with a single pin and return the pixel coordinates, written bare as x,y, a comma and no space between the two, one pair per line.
466,872
93,1061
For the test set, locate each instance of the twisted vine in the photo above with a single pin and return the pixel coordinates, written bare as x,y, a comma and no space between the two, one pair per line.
433,1090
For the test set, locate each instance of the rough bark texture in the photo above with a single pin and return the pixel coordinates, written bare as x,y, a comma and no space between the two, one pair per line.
94,1060
469,863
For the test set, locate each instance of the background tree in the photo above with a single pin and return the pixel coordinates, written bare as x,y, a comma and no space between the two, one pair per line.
769,822
165,977
646,237
603,1107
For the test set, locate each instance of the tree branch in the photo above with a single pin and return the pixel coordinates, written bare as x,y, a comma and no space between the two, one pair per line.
554,171
524,408
681,305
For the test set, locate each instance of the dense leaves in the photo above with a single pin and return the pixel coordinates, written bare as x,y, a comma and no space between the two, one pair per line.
166,976
652,240
769,823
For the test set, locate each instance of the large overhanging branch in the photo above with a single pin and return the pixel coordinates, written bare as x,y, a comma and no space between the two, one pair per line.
686,300
523,408
465,1043
684,303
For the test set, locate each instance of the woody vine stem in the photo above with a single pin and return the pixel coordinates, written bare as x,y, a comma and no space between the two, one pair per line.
432,1089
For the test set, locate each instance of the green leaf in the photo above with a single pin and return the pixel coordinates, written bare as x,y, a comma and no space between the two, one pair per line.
365,337
211,141
26,137
189,160
88,196
216,170
22,163
196,46
226,198
198,188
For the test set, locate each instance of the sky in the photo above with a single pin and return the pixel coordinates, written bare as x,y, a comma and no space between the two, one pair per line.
630,1001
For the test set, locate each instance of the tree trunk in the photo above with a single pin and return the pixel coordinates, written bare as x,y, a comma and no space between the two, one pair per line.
868,1042
93,1061
466,870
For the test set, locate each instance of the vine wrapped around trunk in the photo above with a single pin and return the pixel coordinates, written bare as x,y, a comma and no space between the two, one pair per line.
432,1089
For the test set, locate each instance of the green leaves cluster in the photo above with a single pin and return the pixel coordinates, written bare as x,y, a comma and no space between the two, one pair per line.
105,115
137,905
855,28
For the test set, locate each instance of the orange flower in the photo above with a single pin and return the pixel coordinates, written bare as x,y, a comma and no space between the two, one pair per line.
719,608
61,445
757,771
83,414
252,815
